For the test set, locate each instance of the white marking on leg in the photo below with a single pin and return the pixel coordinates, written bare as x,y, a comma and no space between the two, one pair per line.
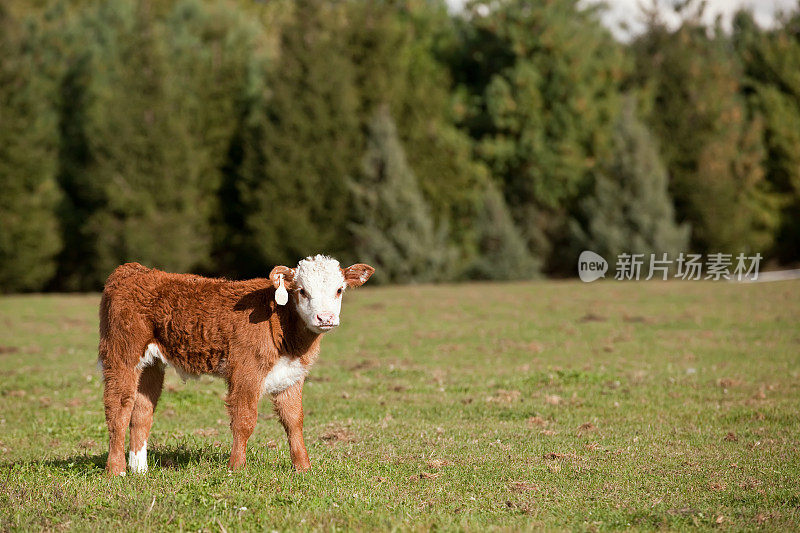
152,355
285,373
137,461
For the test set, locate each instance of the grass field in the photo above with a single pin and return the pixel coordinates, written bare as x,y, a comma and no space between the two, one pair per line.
553,405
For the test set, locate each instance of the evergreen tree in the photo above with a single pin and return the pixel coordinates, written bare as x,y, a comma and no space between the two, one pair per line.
710,143
301,140
82,194
539,83
216,57
392,225
29,233
132,167
771,60
502,252
395,49
630,209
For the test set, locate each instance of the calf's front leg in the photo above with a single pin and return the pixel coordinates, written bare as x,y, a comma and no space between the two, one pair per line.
289,407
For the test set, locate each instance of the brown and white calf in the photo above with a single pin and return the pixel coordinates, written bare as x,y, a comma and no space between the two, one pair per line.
236,330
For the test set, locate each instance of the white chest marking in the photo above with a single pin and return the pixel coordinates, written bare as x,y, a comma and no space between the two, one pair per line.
283,375
137,461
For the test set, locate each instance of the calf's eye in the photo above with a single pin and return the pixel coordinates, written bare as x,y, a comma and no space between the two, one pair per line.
339,292
302,292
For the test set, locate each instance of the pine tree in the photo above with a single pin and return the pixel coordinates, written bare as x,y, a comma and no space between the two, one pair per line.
771,60
539,83
301,140
502,252
217,57
133,169
82,194
711,144
29,231
396,50
630,209
392,225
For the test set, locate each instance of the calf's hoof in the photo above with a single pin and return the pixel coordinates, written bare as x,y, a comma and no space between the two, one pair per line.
235,466
115,469
302,466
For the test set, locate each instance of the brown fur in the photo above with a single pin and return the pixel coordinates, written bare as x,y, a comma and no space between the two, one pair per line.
231,329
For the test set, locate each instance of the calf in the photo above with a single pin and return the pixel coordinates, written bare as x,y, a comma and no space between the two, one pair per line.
241,331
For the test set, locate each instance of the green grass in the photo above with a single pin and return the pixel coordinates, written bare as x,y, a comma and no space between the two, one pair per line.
553,405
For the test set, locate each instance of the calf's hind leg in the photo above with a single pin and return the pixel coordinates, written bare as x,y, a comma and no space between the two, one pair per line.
118,397
242,402
151,382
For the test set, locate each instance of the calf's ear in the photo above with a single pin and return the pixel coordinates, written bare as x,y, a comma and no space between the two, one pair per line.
288,277
358,274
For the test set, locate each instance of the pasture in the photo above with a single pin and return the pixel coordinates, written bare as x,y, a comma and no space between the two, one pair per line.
555,405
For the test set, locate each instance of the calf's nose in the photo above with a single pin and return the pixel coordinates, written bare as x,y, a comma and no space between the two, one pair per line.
326,318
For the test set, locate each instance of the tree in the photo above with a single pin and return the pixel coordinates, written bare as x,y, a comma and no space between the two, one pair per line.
300,142
711,144
29,229
539,82
392,226
630,209
131,174
396,53
218,57
502,252
771,62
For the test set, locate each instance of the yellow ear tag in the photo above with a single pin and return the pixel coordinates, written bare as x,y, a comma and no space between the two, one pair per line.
281,296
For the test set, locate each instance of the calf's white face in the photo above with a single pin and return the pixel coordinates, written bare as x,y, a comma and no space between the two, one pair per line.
317,285
318,288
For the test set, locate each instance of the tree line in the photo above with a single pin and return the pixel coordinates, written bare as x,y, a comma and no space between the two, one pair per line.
224,137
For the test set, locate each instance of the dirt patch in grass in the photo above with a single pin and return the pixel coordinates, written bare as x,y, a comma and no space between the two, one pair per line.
437,463
365,364
508,345
551,456
538,421
337,435
592,317
730,437
504,396
522,486
553,399
637,319
87,444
